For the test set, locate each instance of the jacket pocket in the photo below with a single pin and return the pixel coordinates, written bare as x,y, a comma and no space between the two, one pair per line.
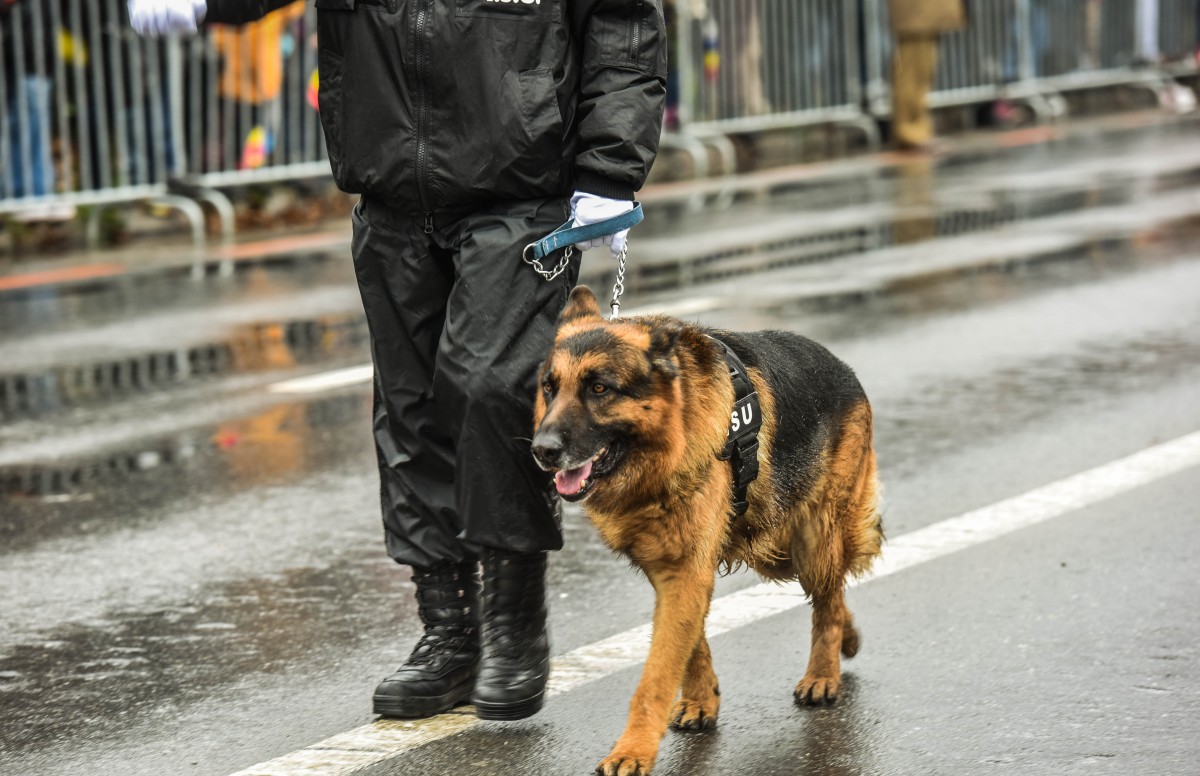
528,148
330,69
539,101
636,39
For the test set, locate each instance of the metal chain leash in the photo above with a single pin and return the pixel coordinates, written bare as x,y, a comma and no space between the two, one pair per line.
570,234
549,274
568,252
619,286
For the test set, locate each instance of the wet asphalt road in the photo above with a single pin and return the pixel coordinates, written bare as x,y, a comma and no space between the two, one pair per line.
1068,648
226,599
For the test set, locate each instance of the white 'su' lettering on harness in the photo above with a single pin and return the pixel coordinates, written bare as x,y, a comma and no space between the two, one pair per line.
746,417
517,2
741,447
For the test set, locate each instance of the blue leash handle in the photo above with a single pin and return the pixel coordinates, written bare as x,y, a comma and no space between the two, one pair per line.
567,235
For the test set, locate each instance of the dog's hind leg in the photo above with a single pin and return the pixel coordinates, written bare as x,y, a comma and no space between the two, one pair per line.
837,536
850,639
832,629
701,699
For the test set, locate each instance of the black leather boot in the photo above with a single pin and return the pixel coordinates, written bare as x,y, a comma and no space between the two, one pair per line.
516,651
440,672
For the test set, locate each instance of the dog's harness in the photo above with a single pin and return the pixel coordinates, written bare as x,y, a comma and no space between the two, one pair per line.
741,449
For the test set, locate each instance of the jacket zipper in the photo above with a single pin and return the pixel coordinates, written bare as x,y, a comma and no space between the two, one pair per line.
636,48
423,13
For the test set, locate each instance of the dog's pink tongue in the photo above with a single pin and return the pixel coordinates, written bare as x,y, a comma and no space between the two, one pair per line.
570,481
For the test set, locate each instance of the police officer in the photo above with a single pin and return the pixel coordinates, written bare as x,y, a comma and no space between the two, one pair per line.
470,128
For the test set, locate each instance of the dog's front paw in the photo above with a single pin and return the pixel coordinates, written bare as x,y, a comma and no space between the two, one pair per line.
626,763
817,690
694,715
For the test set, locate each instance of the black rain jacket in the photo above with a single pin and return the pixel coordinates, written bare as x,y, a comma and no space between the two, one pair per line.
434,105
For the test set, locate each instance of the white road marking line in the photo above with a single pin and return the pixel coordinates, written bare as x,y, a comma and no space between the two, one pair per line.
359,748
326,381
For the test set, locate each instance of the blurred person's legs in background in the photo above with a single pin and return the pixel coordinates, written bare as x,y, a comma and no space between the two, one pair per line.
28,127
671,117
149,136
914,65
750,63
1035,28
822,53
1147,26
1005,113
27,130
1093,15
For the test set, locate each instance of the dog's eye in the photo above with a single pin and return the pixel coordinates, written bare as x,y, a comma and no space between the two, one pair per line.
599,388
547,388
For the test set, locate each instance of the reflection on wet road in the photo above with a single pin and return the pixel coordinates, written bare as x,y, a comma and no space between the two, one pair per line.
267,521
152,475
194,578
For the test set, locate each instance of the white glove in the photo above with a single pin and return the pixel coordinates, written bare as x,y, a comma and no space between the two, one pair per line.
154,18
589,209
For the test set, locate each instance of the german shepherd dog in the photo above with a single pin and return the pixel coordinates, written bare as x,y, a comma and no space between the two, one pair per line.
631,416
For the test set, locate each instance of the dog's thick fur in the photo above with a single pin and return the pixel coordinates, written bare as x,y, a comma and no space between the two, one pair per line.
631,415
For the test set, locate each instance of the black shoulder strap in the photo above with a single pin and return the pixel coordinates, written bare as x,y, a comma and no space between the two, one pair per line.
742,446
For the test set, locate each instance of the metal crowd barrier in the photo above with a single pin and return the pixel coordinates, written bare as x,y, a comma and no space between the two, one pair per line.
751,65
92,115
86,111
987,60
1037,49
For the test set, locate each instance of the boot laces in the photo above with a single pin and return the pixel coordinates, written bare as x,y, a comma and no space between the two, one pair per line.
436,644
442,589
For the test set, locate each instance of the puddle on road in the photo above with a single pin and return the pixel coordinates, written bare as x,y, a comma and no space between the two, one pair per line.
288,439
134,674
246,348
911,207
49,308
857,316
135,485
138,666
147,668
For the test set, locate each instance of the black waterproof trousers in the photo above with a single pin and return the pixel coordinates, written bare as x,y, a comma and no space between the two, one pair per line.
459,325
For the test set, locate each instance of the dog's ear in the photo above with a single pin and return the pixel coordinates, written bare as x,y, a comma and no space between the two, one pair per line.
663,339
581,305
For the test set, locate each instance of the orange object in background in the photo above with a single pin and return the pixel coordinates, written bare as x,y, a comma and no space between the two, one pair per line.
253,55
